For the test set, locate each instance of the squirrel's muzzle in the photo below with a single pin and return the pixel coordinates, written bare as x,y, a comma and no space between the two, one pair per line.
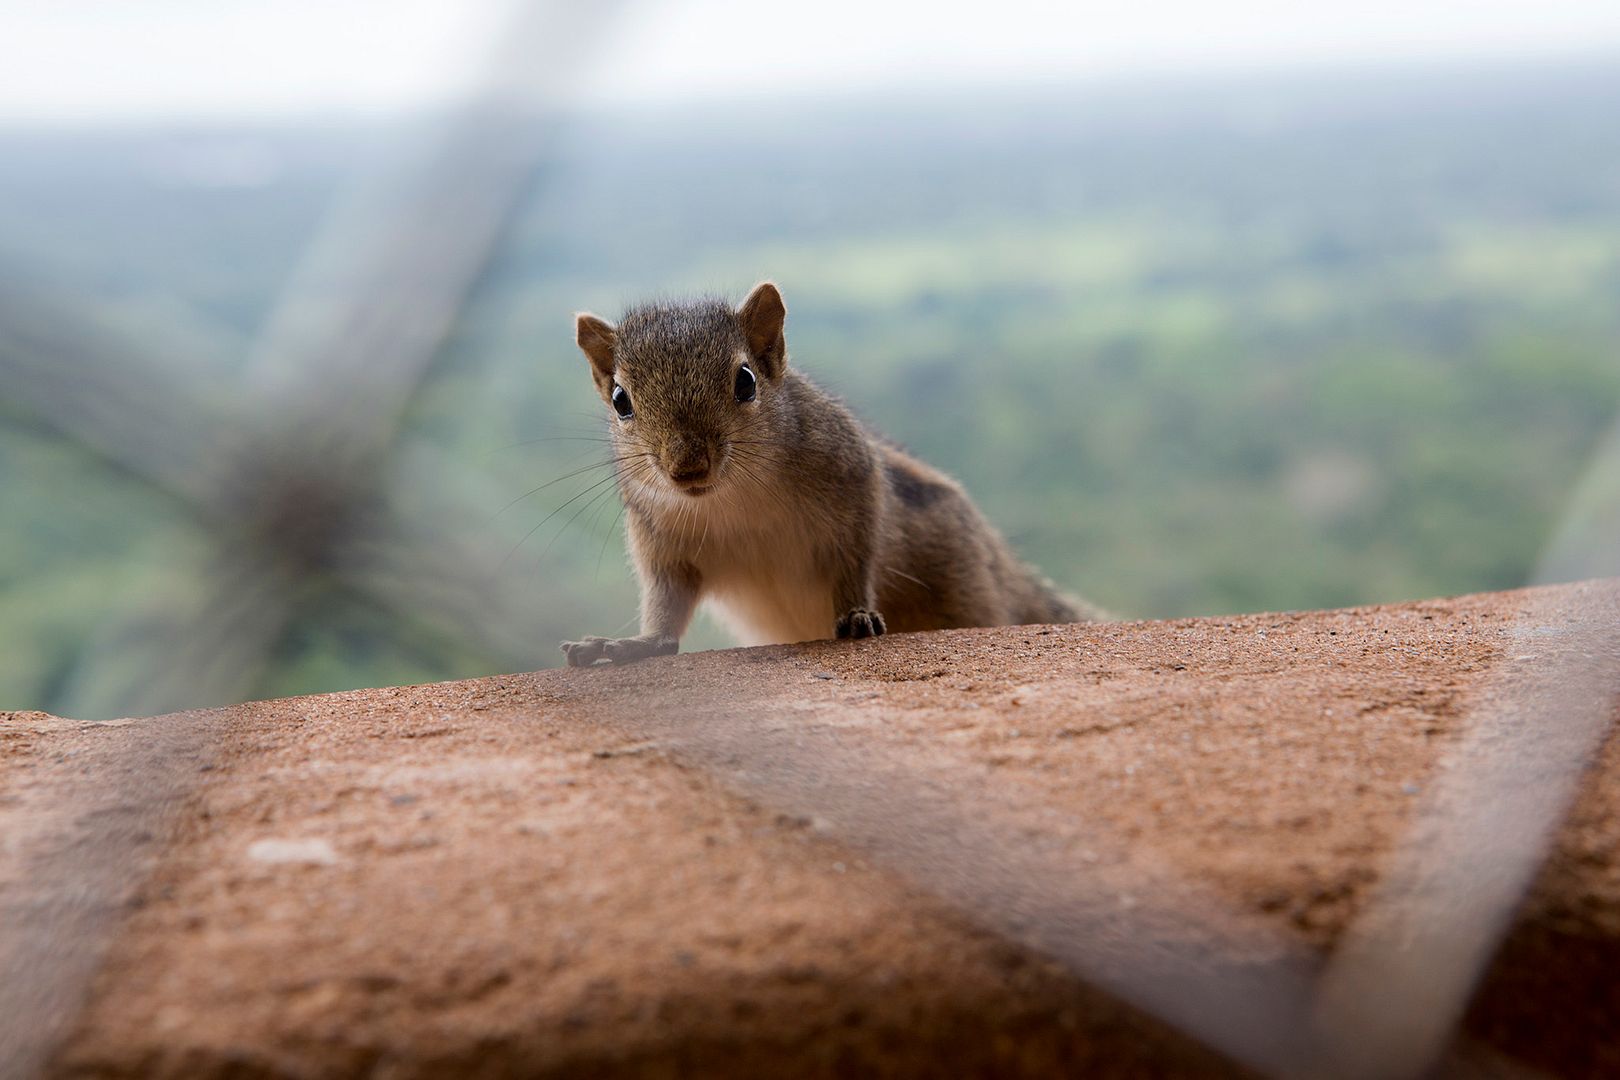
690,474
689,463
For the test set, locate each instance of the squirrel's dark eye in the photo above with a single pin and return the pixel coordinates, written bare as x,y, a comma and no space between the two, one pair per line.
621,402
745,387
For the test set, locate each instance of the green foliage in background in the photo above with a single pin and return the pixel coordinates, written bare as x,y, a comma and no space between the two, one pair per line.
1197,350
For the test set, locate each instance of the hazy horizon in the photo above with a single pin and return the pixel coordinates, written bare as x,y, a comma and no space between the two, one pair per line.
1247,97
174,60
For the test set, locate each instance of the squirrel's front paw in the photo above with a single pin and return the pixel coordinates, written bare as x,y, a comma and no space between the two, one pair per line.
618,650
859,623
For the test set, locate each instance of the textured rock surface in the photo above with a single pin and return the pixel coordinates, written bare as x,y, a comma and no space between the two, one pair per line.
805,860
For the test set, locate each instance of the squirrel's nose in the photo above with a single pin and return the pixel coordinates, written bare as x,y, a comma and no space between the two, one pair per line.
687,459
690,472
689,462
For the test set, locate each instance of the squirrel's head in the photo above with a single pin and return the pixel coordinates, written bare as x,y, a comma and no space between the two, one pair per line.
690,388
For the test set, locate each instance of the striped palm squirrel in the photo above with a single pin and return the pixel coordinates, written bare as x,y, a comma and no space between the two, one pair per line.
747,486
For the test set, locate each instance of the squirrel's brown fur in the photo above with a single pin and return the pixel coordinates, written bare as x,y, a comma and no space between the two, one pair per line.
782,511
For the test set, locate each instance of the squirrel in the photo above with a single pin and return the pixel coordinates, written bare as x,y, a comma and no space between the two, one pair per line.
747,486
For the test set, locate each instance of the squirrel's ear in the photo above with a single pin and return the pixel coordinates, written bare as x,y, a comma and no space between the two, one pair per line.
761,317
596,340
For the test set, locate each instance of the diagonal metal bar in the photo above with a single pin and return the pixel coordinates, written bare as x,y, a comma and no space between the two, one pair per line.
408,549
414,553
206,639
1224,978
157,418
1399,984
367,313
328,383
84,843
293,481
408,545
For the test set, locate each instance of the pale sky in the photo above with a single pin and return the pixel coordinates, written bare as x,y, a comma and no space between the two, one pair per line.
87,60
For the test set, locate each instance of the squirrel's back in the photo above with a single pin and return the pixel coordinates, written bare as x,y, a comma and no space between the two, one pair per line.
946,565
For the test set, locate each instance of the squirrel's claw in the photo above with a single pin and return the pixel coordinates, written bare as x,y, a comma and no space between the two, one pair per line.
860,623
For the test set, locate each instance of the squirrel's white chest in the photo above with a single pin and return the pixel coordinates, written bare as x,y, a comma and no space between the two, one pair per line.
774,613
764,585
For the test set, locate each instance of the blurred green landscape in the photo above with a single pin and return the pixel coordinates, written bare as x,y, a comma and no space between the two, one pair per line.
1241,344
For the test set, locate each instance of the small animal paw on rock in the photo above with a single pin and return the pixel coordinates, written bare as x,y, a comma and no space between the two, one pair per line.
860,623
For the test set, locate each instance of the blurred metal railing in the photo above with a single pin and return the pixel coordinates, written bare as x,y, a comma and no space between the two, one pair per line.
301,475
298,468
